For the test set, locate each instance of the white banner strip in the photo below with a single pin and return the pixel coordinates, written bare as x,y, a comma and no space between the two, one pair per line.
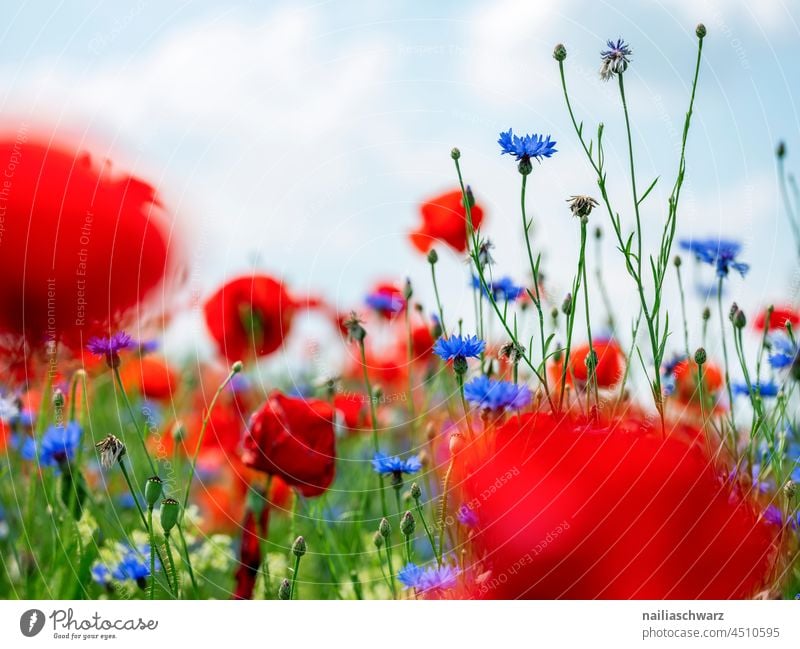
386,625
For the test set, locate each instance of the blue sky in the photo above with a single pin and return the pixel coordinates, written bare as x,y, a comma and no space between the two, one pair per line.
300,137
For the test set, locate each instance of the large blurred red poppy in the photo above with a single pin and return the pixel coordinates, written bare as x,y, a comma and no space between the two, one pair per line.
444,219
778,319
567,510
81,246
249,316
293,438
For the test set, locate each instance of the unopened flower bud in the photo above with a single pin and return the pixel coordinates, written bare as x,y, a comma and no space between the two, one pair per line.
58,398
706,314
377,540
169,514
780,150
455,153
739,319
384,529
284,590
566,305
408,290
677,261
456,443
408,524
598,233
790,490
237,367
460,365
700,30
559,52
178,432
433,256
299,547
700,356
152,490
416,492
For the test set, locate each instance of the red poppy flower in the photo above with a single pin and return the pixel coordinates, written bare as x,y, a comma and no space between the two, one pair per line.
249,316
421,342
686,373
566,510
778,319
444,219
152,377
610,363
353,408
294,439
254,528
102,234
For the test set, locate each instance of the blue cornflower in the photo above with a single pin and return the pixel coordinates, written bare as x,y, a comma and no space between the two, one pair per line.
101,574
109,348
721,253
527,147
458,347
766,389
382,463
466,516
59,443
502,290
782,354
135,564
615,59
26,446
496,395
385,302
428,580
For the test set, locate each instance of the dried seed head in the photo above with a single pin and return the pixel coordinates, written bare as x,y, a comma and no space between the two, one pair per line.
111,450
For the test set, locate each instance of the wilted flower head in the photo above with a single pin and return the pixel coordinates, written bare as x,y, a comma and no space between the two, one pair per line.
110,347
111,450
615,59
513,351
581,205
720,253
355,330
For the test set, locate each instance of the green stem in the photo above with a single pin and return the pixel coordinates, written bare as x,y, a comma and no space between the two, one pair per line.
374,420
591,371
683,313
427,531
152,553
172,568
294,576
391,568
132,414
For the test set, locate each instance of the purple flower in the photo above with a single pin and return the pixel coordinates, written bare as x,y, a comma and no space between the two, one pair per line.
109,348
466,516
615,59
428,580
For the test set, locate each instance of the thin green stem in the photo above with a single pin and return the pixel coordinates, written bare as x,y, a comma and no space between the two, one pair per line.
374,422
132,414
427,531
152,553
591,374
294,576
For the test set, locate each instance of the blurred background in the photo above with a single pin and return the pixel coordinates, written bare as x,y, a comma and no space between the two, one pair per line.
299,138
